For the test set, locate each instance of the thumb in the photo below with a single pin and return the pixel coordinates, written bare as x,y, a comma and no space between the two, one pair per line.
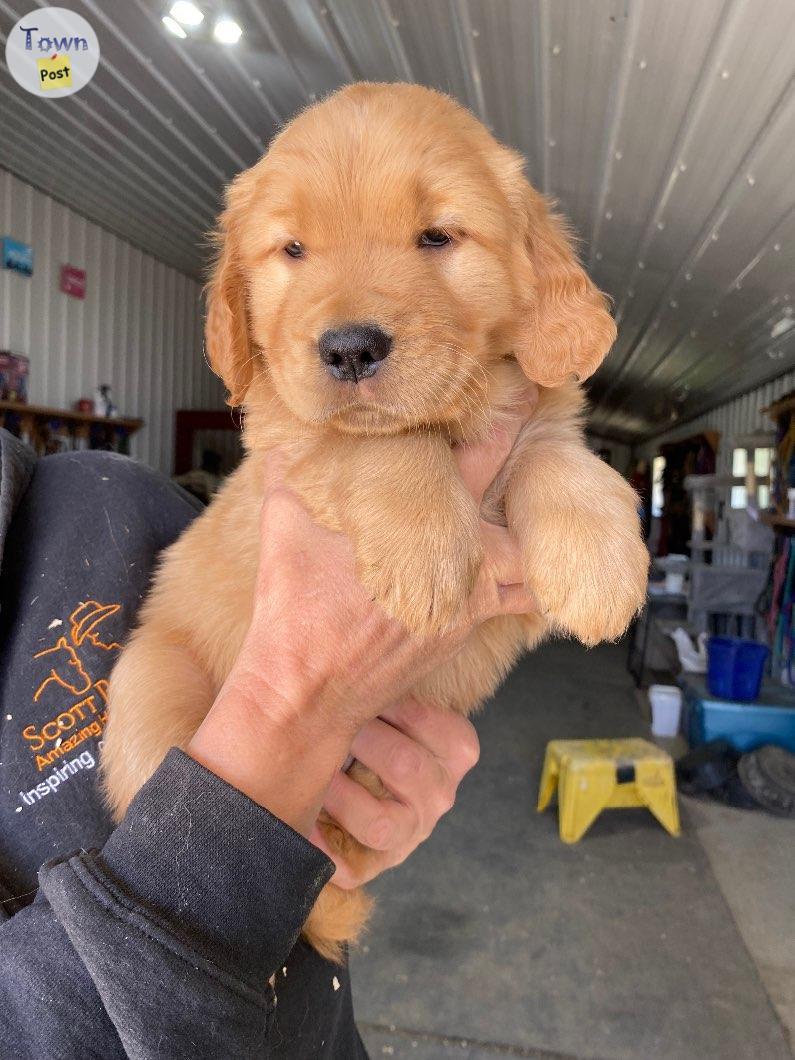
480,462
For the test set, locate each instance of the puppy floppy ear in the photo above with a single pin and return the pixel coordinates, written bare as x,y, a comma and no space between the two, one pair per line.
566,328
229,348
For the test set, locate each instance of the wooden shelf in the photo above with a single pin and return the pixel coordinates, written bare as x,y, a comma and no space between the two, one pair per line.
778,408
43,412
778,522
708,546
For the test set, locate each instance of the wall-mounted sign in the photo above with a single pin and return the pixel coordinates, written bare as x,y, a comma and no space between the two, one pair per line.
17,256
73,281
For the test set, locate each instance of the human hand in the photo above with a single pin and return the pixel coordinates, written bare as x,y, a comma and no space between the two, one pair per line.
420,753
321,659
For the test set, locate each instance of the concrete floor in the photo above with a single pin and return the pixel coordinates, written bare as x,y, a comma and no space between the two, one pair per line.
496,940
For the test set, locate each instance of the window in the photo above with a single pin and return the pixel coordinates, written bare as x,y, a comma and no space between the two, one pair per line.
657,471
763,460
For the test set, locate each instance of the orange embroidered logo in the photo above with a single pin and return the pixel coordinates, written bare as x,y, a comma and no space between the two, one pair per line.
68,672
83,621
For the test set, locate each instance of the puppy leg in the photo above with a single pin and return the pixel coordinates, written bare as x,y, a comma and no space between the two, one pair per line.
157,699
412,523
577,521
338,917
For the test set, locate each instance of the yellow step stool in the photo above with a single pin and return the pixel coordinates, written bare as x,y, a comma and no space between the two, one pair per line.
595,775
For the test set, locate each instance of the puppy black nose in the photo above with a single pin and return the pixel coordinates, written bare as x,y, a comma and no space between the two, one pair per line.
353,351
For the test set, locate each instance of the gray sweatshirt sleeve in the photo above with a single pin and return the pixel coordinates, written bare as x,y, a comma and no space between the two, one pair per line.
162,943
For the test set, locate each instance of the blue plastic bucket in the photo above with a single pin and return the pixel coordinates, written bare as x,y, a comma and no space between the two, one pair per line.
735,667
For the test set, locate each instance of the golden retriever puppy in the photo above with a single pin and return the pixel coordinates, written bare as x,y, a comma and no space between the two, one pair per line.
386,282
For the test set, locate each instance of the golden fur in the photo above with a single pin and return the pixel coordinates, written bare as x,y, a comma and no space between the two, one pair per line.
356,179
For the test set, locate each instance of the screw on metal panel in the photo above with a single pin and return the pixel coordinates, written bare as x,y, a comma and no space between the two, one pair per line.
556,49
475,32
776,247
673,304
751,179
608,215
641,265
619,156
598,255
688,276
642,64
661,225
724,74
682,167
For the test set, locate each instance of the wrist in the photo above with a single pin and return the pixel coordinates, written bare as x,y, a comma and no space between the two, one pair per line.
273,749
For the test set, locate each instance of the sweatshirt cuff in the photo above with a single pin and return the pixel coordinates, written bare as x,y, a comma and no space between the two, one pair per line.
230,880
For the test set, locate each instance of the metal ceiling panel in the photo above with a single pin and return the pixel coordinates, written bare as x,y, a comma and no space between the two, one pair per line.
665,130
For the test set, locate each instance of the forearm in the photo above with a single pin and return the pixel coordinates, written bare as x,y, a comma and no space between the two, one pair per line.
175,928
285,762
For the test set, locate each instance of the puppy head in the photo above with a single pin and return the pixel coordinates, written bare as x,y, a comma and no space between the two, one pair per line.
380,259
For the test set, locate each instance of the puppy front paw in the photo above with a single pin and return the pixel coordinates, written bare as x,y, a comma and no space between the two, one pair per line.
423,573
588,565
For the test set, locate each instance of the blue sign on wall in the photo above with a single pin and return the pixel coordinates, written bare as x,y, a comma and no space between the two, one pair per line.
17,256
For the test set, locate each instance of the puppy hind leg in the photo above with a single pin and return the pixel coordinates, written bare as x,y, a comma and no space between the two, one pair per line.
338,917
157,698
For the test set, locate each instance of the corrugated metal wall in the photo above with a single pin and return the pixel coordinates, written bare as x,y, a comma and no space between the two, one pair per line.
741,416
138,329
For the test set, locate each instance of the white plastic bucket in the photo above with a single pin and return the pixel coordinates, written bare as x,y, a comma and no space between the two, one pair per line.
666,707
674,583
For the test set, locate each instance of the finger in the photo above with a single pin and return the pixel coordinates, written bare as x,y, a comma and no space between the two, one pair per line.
479,463
500,588
345,875
516,600
406,769
502,558
380,824
446,734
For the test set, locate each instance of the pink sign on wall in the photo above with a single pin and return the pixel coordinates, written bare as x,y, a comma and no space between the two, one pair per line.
73,281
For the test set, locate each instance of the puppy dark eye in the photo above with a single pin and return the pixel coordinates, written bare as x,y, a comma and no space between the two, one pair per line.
295,249
434,237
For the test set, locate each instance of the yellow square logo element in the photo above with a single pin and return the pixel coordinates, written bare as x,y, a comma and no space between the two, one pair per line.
55,72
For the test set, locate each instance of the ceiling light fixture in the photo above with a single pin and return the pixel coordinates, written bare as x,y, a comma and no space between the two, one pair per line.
783,324
227,31
174,27
186,13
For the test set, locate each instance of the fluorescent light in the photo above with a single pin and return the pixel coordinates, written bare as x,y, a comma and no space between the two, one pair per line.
174,27
227,31
784,324
187,13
